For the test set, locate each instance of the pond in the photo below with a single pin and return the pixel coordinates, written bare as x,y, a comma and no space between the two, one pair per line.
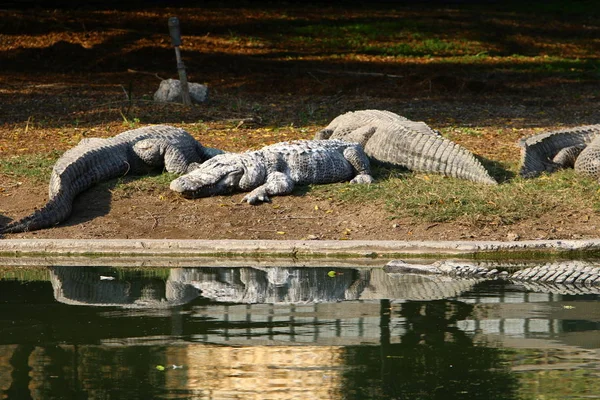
289,333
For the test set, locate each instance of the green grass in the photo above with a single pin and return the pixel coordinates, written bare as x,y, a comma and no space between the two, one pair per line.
31,274
504,36
430,198
37,166
434,198
27,274
398,38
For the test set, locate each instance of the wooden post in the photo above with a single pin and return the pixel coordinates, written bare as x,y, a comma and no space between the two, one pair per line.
175,33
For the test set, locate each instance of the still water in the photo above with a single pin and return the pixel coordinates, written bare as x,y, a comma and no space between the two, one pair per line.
289,333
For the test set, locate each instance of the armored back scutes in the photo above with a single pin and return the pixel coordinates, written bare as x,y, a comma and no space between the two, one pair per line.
413,146
392,139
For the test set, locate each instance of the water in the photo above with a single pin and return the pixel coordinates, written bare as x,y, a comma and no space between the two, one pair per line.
289,333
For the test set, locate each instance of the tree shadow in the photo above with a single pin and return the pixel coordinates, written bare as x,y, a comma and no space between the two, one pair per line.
294,40
496,170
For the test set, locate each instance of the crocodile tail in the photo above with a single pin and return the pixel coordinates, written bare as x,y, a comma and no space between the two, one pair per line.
55,211
412,145
538,151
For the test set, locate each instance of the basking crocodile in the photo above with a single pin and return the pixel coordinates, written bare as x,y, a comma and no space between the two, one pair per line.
567,278
392,139
94,160
275,169
550,151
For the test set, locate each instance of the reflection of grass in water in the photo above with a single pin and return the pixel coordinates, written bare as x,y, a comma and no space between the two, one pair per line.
28,274
571,381
428,358
136,273
24,274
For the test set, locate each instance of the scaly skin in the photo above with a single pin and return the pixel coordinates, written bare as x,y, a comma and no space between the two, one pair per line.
391,139
276,169
94,160
588,161
551,151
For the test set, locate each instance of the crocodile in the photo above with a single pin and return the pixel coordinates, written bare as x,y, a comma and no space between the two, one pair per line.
551,151
565,278
391,139
276,169
93,160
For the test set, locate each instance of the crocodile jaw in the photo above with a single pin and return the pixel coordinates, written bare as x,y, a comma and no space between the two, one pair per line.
200,183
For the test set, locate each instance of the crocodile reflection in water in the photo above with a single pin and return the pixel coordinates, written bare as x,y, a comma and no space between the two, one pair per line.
85,286
283,285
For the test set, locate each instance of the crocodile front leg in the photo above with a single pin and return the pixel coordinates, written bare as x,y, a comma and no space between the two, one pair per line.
277,183
360,163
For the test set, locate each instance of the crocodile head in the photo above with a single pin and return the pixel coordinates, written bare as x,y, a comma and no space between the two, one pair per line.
222,174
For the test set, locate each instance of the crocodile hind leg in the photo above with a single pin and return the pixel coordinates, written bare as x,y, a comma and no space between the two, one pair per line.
177,158
277,183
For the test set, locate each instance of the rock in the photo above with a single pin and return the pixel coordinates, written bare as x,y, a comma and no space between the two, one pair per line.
169,91
511,236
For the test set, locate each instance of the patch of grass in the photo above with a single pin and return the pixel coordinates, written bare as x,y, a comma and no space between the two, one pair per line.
434,198
37,167
29,274
130,184
396,38
456,131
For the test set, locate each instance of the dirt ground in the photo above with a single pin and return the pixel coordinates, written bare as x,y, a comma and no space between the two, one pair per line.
67,75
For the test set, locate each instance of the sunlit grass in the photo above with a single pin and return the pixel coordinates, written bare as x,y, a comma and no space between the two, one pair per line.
434,198
430,198
32,166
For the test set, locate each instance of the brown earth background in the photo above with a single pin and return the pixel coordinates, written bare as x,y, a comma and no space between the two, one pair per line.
66,74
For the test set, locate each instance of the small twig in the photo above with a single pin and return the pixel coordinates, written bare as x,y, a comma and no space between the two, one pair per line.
27,125
145,73
314,77
128,169
241,121
127,96
294,217
323,71
136,101
431,226
155,219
